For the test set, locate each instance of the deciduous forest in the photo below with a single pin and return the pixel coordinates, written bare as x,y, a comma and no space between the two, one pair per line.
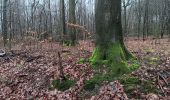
84,49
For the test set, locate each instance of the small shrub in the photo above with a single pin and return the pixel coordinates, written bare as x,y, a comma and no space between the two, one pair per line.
89,85
62,86
82,60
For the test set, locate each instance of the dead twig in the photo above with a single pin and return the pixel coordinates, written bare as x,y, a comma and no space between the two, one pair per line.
160,85
65,51
163,78
61,67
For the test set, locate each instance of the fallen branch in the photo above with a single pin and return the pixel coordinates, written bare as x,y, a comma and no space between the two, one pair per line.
163,78
65,51
32,58
160,85
82,28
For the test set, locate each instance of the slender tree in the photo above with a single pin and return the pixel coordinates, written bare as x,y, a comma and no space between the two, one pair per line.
72,20
126,3
4,22
146,20
50,17
62,17
168,17
139,15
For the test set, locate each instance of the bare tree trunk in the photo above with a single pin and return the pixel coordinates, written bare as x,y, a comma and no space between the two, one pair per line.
62,17
72,20
125,5
139,18
145,23
10,26
50,18
4,23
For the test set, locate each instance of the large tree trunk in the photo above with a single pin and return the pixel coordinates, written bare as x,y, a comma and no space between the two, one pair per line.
110,48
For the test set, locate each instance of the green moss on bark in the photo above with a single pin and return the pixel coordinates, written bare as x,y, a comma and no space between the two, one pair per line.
128,55
112,56
109,62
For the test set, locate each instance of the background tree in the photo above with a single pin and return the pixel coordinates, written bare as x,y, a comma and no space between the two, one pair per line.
146,20
168,16
126,3
50,30
139,18
62,16
4,22
72,20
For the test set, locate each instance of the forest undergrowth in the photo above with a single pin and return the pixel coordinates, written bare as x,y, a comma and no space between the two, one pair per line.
29,72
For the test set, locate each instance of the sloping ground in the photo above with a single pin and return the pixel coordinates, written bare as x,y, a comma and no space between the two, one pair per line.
27,74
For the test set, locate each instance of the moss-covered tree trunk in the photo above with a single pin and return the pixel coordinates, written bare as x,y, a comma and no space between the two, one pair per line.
110,49
72,20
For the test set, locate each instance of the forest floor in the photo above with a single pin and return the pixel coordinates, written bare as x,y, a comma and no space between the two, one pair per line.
27,72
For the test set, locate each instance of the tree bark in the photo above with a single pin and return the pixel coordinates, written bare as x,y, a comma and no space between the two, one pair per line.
62,17
50,30
4,22
146,20
139,15
72,20
110,48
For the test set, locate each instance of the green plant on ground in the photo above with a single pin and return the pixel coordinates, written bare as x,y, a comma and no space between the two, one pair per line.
149,50
82,60
153,60
133,64
90,85
132,84
106,70
63,85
